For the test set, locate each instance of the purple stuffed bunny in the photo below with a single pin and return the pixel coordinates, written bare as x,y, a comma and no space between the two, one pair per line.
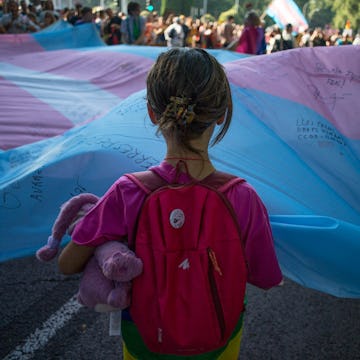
106,280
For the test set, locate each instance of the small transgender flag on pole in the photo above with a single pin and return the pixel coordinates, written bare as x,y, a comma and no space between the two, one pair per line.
287,12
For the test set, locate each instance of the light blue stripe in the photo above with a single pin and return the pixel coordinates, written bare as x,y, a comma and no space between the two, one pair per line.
152,52
69,38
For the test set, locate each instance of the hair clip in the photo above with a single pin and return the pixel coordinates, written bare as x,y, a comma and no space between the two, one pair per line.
183,111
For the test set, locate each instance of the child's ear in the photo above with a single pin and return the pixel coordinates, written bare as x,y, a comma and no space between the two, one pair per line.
151,114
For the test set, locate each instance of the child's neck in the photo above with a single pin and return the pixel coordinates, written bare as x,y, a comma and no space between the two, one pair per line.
199,165
198,162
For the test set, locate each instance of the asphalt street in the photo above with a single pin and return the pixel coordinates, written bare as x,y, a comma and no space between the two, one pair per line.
39,319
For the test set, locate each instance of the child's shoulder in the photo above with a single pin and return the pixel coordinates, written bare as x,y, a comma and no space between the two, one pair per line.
240,188
126,182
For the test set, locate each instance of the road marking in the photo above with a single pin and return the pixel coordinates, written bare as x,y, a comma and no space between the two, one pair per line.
40,337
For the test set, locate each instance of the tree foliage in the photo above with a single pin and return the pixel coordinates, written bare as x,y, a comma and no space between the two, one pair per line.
318,13
346,10
214,7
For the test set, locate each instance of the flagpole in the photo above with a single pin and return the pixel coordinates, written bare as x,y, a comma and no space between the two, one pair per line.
264,13
205,4
237,5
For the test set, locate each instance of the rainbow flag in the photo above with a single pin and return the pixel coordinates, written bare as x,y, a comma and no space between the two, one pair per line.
287,12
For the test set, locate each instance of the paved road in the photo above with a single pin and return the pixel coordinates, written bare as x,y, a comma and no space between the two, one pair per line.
40,320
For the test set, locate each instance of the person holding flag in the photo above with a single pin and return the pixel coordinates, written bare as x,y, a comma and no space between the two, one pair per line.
133,28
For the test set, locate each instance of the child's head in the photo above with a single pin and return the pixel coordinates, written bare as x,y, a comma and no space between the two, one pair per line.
188,91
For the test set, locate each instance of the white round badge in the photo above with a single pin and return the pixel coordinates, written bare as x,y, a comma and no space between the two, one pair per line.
177,218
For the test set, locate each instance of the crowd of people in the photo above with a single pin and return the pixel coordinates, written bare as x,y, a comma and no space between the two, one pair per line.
149,28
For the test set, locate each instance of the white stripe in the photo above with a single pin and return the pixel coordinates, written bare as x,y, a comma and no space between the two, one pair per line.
41,336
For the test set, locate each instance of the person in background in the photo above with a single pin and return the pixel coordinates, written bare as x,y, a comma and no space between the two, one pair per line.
357,39
174,33
149,34
288,39
305,38
26,13
317,38
36,7
32,17
185,28
74,16
24,8
112,28
86,16
249,37
158,31
275,43
49,19
13,23
65,14
227,31
196,34
210,36
344,40
261,41
99,20
48,6
189,23
133,28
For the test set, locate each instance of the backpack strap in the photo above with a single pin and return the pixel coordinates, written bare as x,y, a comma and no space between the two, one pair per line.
148,180
221,181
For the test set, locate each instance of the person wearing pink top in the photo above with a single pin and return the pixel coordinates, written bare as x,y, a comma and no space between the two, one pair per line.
248,42
188,96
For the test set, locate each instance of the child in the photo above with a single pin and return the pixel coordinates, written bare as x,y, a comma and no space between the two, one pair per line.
188,96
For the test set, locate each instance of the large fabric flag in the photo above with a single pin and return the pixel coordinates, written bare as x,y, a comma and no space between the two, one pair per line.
287,12
74,119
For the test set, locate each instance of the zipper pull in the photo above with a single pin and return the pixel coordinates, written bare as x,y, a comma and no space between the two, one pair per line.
160,333
214,262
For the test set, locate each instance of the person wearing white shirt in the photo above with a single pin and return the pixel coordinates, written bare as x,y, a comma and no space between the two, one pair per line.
174,34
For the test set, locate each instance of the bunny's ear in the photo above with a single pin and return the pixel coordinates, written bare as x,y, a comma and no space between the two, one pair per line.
69,212
67,215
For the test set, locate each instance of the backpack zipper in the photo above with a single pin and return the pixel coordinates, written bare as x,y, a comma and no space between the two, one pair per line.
214,266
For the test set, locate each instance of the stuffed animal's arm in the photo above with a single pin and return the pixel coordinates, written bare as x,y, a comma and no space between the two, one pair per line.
73,258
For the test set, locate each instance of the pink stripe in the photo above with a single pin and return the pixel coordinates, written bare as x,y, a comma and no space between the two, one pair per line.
286,13
275,8
11,45
295,18
122,75
34,119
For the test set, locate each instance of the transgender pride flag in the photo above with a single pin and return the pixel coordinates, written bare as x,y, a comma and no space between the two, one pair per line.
74,118
286,11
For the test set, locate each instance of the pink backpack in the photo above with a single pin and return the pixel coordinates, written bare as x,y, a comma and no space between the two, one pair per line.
190,296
